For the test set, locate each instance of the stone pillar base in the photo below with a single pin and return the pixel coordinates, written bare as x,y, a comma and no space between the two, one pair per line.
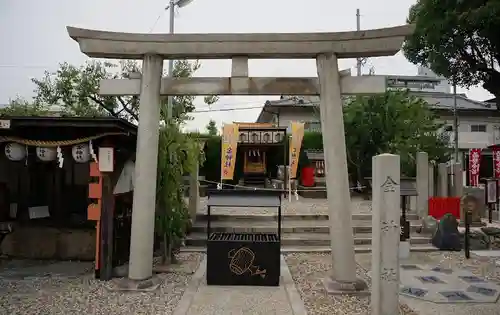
336,287
126,284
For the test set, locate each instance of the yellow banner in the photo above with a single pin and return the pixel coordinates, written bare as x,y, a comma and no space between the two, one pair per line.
295,144
228,154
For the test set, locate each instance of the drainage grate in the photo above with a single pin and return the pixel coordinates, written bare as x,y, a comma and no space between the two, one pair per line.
243,237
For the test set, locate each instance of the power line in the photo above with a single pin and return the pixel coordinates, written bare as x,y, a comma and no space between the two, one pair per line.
157,19
225,109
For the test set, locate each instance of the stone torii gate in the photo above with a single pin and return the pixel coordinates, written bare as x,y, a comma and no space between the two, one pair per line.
326,48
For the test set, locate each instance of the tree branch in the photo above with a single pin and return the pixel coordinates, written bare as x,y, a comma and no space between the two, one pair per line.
128,110
103,106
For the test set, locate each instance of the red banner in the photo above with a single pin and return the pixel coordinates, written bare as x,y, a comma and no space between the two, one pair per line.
474,166
496,162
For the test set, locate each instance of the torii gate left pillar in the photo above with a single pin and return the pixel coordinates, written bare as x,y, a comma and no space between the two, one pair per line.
326,48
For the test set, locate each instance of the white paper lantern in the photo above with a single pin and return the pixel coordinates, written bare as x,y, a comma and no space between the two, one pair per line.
46,154
15,151
81,153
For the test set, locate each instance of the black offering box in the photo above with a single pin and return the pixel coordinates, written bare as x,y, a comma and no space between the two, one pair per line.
243,258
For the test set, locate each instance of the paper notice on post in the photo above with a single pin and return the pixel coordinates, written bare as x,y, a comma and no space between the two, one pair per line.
13,210
39,212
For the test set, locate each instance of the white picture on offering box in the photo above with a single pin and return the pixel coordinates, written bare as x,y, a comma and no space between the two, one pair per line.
492,191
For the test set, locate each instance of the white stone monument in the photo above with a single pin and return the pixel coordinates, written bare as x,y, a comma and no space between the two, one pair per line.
386,231
442,182
422,161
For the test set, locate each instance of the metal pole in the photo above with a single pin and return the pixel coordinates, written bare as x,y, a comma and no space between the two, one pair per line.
170,62
455,122
358,28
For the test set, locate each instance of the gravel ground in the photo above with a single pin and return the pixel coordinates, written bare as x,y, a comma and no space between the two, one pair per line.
84,295
301,206
309,269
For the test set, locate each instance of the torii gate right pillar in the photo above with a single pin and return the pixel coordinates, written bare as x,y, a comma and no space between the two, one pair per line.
343,279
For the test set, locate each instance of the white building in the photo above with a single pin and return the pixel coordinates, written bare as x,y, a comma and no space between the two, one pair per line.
479,122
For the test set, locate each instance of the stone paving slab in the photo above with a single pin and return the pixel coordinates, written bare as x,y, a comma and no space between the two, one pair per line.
443,285
200,299
423,307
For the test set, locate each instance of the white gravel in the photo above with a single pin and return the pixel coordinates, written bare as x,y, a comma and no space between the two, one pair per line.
308,271
85,295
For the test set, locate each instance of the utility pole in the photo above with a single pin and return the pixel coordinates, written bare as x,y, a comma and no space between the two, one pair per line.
171,7
455,121
359,61
170,99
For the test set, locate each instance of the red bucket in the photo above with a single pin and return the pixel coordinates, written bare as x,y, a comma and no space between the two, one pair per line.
307,176
439,206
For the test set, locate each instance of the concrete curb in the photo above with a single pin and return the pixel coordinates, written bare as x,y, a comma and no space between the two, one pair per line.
292,293
185,302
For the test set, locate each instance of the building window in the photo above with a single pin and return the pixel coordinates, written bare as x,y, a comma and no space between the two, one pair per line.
478,128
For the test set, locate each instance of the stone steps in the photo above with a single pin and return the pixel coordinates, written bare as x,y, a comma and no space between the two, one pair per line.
288,226
359,249
300,232
287,217
308,239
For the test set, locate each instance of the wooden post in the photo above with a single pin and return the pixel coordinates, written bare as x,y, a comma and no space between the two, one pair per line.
94,211
107,218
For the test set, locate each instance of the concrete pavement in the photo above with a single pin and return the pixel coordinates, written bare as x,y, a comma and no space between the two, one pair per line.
200,299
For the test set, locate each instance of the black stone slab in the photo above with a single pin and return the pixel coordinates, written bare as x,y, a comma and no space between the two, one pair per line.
430,279
417,292
442,270
410,267
471,279
455,296
481,290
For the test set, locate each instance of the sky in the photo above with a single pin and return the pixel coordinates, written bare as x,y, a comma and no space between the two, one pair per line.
33,39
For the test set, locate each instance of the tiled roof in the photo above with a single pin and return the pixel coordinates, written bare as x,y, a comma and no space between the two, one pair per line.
435,99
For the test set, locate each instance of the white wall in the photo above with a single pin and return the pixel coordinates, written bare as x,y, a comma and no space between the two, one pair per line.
305,115
492,123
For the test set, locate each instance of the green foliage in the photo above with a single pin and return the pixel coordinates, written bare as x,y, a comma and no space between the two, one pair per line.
457,39
394,122
20,107
178,153
76,90
211,167
312,141
212,128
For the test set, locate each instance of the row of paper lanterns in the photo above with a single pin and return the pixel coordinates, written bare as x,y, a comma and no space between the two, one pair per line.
17,152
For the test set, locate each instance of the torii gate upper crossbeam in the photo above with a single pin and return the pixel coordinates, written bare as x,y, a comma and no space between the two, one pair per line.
370,43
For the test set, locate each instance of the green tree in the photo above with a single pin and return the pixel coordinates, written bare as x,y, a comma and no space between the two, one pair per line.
212,128
178,153
457,39
394,122
21,107
76,90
